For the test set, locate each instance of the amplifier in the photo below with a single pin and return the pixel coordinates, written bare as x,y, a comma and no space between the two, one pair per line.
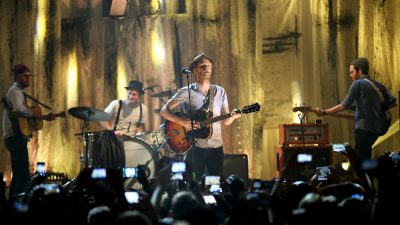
320,156
291,134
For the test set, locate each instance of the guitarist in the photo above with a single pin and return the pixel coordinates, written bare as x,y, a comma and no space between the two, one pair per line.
207,152
15,141
369,111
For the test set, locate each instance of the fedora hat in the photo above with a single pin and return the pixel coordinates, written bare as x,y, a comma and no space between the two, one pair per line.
198,58
135,84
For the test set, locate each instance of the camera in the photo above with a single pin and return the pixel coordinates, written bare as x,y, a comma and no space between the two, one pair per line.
99,173
304,158
339,147
130,172
41,168
178,167
132,197
209,199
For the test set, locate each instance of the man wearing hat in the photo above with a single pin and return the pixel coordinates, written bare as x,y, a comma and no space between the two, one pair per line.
370,111
130,113
206,153
16,143
128,118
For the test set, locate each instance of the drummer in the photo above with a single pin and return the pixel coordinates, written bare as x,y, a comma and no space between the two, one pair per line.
129,116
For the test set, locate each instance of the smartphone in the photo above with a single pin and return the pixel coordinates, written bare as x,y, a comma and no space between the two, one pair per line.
41,168
212,180
256,184
322,173
304,158
132,197
369,164
130,172
215,188
209,199
178,167
339,147
99,173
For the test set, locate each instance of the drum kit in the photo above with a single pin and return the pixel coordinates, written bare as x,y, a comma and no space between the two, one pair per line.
142,148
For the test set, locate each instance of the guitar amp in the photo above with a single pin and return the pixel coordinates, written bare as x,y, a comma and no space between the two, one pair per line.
292,134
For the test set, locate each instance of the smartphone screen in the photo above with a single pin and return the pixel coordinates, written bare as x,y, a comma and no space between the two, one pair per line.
178,167
338,147
130,172
257,184
322,173
99,173
304,158
132,197
209,199
41,168
212,180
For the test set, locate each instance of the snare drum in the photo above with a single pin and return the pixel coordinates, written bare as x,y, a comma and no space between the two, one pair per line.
139,152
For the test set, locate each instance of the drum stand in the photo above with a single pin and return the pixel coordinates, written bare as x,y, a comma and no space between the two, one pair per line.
85,156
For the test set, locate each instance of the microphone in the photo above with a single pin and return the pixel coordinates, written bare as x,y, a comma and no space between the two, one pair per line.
185,71
150,87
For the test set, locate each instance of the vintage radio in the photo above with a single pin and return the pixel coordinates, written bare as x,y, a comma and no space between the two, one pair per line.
309,133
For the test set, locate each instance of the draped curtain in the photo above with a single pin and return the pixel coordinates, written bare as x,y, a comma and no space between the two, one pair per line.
278,53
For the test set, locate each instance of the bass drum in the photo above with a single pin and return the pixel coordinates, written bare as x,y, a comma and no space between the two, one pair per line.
138,152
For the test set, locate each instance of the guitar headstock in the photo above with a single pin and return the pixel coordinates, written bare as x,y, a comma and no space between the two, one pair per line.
305,108
251,108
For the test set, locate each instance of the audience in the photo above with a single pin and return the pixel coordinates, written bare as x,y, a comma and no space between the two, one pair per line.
98,197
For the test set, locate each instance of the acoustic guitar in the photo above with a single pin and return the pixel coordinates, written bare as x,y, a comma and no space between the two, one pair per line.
27,125
181,140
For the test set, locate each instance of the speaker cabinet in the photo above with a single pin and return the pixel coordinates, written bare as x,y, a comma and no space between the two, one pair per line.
236,164
320,156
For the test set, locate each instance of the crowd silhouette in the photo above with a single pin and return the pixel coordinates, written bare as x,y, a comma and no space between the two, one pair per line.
104,196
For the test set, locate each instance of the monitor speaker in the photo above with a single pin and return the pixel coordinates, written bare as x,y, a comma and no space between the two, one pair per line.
236,164
320,156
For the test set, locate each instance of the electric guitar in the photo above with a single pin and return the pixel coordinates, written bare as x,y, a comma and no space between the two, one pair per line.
181,140
306,109
385,119
27,125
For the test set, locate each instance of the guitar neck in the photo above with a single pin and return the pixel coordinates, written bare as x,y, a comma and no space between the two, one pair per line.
340,115
216,119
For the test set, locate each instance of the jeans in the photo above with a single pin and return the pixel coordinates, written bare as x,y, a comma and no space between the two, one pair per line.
211,159
18,148
364,141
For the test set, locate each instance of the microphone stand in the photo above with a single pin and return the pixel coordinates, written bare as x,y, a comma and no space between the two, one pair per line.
190,135
302,117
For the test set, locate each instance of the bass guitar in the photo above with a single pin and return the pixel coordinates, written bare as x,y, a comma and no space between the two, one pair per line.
181,140
27,125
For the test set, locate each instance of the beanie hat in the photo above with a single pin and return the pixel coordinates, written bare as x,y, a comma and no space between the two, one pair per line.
19,69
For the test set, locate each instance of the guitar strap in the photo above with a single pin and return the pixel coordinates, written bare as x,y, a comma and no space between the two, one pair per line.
140,115
387,113
378,91
211,101
119,112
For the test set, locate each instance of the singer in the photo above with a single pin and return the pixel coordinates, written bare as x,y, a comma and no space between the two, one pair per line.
204,97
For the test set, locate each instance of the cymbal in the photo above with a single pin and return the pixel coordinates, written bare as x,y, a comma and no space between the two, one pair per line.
163,94
89,113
